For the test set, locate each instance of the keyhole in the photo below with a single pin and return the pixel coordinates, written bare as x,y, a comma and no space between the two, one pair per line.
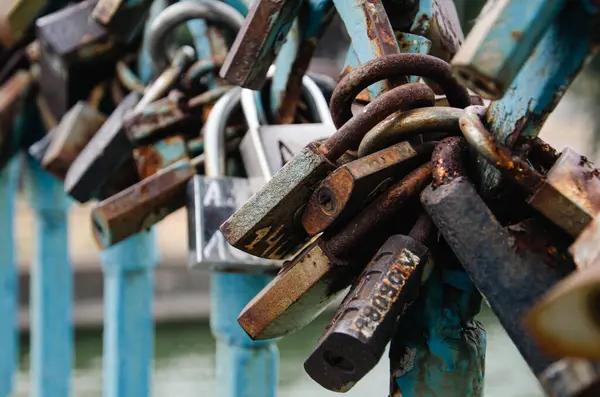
339,362
326,200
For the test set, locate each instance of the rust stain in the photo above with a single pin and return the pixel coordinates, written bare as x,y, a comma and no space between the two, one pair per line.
516,35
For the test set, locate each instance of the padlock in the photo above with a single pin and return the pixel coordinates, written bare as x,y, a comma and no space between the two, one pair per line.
144,204
103,154
571,377
169,115
265,148
403,126
73,133
268,225
152,158
347,189
122,18
512,267
214,197
503,38
15,18
71,66
317,275
365,322
569,193
258,42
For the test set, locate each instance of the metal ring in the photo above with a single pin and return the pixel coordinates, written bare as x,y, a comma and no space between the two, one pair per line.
402,126
480,138
176,14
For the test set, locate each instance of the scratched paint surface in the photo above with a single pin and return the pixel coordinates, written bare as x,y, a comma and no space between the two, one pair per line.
185,356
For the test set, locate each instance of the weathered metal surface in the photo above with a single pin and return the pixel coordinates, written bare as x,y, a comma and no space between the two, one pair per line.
380,211
12,94
200,69
566,321
347,190
210,201
447,161
402,126
259,41
372,36
267,225
128,78
586,249
571,377
73,60
101,157
151,159
540,84
357,336
293,60
16,16
75,130
142,205
570,194
505,35
500,263
316,276
497,154
394,65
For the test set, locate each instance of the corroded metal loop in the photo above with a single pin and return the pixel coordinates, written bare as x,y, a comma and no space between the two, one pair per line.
178,13
200,69
390,66
405,97
496,154
447,160
402,126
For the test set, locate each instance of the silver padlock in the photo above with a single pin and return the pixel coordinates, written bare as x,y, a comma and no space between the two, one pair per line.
214,197
266,148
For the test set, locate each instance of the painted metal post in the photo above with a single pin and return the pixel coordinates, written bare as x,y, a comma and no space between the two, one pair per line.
51,286
128,319
9,307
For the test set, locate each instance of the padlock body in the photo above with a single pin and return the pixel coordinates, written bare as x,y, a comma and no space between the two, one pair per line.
210,201
151,159
268,225
15,18
570,194
73,133
364,324
346,190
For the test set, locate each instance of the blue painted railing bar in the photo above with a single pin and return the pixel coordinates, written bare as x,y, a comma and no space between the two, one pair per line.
51,286
9,308
128,321
128,268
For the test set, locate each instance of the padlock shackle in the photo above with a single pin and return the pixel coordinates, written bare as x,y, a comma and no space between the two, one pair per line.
496,154
214,133
178,13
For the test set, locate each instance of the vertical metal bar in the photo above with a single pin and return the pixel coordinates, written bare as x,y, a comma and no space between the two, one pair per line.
245,368
128,320
128,267
8,279
51,286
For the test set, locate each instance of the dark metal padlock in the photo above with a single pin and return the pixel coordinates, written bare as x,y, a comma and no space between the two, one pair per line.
511,266
74,60
568,194
257,43
365,322
346,190
316,276
73,133
103,154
